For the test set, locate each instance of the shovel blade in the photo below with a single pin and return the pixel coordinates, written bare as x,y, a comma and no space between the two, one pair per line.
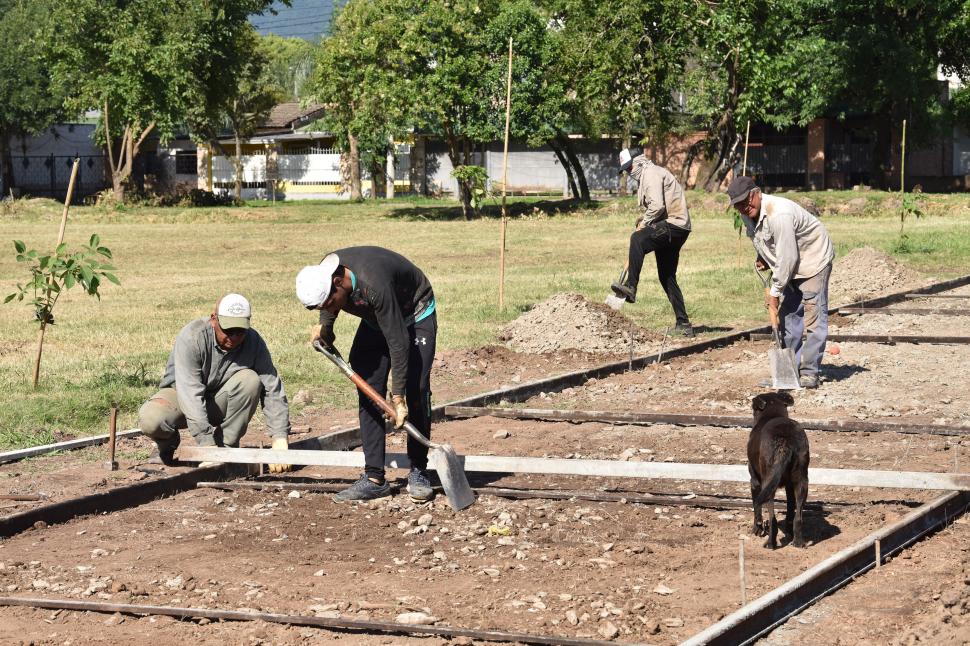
783,373
614,302
446,462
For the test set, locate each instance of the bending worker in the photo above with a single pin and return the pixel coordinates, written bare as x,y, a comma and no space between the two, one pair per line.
217,374
396,336
795,245
663,229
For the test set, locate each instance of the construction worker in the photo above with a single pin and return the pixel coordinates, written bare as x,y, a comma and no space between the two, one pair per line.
663,228
396,336
794,244
217,373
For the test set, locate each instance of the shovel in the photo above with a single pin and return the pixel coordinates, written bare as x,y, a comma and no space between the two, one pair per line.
784,373
615,301
442,458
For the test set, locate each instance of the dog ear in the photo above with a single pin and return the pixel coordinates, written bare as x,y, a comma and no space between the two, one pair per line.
760,402
787,399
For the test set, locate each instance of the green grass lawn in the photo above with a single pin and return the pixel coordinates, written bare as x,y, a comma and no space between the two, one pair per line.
174,264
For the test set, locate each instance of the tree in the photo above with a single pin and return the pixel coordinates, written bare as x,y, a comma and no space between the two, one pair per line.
147,65
291,62
28,103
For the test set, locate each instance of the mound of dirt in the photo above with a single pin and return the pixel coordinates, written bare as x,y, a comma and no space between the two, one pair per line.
570,322
866,273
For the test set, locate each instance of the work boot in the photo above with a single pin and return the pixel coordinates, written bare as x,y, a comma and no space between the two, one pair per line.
625,291
683,329
419,486
363,489
165,451
808,381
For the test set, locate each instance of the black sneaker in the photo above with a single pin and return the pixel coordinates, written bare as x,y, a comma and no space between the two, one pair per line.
363,489
625,291
808,381
683,329
419,486
165,452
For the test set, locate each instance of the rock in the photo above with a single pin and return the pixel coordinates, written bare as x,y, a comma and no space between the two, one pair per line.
114,620
319,573
492,572
501,435
662,589
650,626
628,454
950,598
673,622
118,586
293,494
40,584
96,552
608,630
175,583
416,619
302,397
40,525
571,617
425,520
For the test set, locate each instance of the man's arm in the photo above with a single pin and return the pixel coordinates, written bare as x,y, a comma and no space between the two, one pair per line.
786,250
188,356
276,409
391,321
325,329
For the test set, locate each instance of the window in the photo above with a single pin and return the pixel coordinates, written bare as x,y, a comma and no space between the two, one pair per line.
186,162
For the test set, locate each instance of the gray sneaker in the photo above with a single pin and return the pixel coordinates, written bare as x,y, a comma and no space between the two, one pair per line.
808,381
683,329
363,489
419,486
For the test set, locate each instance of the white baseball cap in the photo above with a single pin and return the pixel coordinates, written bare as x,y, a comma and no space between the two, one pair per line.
315,282
234,311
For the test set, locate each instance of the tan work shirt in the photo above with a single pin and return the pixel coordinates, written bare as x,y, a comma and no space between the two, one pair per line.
791,240
659,194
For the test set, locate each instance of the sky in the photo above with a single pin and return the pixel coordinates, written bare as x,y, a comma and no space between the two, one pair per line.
307,19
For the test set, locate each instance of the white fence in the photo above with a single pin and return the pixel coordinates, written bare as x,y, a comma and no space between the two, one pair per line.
313,175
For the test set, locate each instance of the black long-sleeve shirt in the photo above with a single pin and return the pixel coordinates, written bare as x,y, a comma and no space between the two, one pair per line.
389,292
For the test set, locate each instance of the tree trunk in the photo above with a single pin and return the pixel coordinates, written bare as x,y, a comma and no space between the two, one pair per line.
237,165
356,194
454,154
727,156
566,166
567,148
377,178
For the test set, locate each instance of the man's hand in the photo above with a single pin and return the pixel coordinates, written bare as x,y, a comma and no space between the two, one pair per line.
400,409
280,444
760,264
327,337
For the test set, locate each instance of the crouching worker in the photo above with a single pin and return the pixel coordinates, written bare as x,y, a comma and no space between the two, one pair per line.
396,336
217,374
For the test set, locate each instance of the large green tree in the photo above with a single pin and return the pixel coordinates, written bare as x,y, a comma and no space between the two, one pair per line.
146,65
28,103
290,64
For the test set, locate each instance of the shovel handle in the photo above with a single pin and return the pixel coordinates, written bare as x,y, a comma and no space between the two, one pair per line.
369,391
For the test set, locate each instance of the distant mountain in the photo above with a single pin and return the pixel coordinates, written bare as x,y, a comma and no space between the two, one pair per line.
306,19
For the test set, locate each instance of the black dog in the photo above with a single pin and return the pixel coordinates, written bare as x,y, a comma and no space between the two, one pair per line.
777,456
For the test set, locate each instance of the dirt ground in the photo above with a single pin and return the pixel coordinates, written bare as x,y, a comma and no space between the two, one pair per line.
630,572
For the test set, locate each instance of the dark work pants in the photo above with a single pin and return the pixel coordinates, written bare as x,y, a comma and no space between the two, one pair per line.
370,358
665,242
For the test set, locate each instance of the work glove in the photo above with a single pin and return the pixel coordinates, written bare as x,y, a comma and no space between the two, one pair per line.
280,444
327,337
400,410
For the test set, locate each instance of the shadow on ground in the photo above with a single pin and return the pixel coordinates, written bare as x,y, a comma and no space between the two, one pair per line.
493,211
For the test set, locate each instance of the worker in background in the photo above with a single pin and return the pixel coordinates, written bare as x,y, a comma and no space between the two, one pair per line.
396,336
662,228
794,244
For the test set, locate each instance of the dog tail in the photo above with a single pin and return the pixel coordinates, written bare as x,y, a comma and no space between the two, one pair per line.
782,458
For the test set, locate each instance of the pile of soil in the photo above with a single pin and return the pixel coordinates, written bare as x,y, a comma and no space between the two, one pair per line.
866,273
570,322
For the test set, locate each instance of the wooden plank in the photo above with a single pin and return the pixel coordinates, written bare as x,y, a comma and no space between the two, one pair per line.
903,310
937,295
597,468
80,443
678,419
882,338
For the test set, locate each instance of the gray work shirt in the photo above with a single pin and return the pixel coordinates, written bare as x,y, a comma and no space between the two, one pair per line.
659,194
792,241
198,367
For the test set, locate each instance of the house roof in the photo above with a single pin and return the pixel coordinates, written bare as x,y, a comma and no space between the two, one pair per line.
291,115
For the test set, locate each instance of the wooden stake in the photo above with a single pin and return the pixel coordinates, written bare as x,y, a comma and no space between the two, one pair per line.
60,239
747,135
111,465
878,553
902,162
505,182
744,594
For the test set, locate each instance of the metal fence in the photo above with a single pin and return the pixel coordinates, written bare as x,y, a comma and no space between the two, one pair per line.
48,176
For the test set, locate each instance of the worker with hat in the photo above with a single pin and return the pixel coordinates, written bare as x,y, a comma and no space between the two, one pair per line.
396,337
795,245
217,374
663,229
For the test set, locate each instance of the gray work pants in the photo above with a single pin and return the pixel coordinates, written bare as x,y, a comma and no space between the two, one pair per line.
230,408
804,312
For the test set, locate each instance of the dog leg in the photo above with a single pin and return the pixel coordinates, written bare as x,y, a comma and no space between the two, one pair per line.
758,528
789,509
801,495
772,542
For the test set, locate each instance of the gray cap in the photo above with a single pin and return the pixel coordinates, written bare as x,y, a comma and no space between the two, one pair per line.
740,188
